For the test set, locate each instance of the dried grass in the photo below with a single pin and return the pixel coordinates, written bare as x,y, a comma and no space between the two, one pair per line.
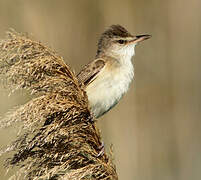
59,138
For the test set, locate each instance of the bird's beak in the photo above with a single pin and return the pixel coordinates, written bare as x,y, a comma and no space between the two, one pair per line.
140,38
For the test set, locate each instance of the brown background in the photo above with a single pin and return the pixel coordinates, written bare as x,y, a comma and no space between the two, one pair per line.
156,129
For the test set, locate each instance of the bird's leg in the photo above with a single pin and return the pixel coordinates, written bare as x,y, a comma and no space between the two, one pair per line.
101,149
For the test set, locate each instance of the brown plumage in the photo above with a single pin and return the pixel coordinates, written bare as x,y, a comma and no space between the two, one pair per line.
107,78
114,31
89,72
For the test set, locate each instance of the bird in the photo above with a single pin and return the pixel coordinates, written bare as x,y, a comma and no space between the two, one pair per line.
107,78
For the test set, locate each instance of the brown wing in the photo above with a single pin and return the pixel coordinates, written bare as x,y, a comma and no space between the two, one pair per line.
89,72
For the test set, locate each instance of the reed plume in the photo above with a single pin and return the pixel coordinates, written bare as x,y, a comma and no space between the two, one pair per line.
59,138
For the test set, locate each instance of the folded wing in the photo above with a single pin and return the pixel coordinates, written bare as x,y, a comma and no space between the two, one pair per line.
90,71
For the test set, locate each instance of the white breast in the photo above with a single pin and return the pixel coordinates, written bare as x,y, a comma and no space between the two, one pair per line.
109,87
111,83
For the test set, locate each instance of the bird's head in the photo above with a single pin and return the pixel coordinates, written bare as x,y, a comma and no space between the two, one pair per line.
117,42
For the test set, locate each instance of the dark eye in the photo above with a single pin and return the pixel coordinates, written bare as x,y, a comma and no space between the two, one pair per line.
121,41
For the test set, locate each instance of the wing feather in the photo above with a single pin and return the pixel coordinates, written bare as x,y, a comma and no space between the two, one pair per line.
90,71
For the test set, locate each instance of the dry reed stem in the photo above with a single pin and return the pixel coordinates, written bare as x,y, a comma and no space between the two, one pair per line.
59,138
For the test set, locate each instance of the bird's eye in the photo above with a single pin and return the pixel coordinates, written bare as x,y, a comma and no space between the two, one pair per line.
121,41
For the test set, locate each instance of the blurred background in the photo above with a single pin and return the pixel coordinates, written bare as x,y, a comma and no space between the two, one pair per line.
156,129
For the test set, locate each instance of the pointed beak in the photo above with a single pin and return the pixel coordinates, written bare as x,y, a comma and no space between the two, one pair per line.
140,38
